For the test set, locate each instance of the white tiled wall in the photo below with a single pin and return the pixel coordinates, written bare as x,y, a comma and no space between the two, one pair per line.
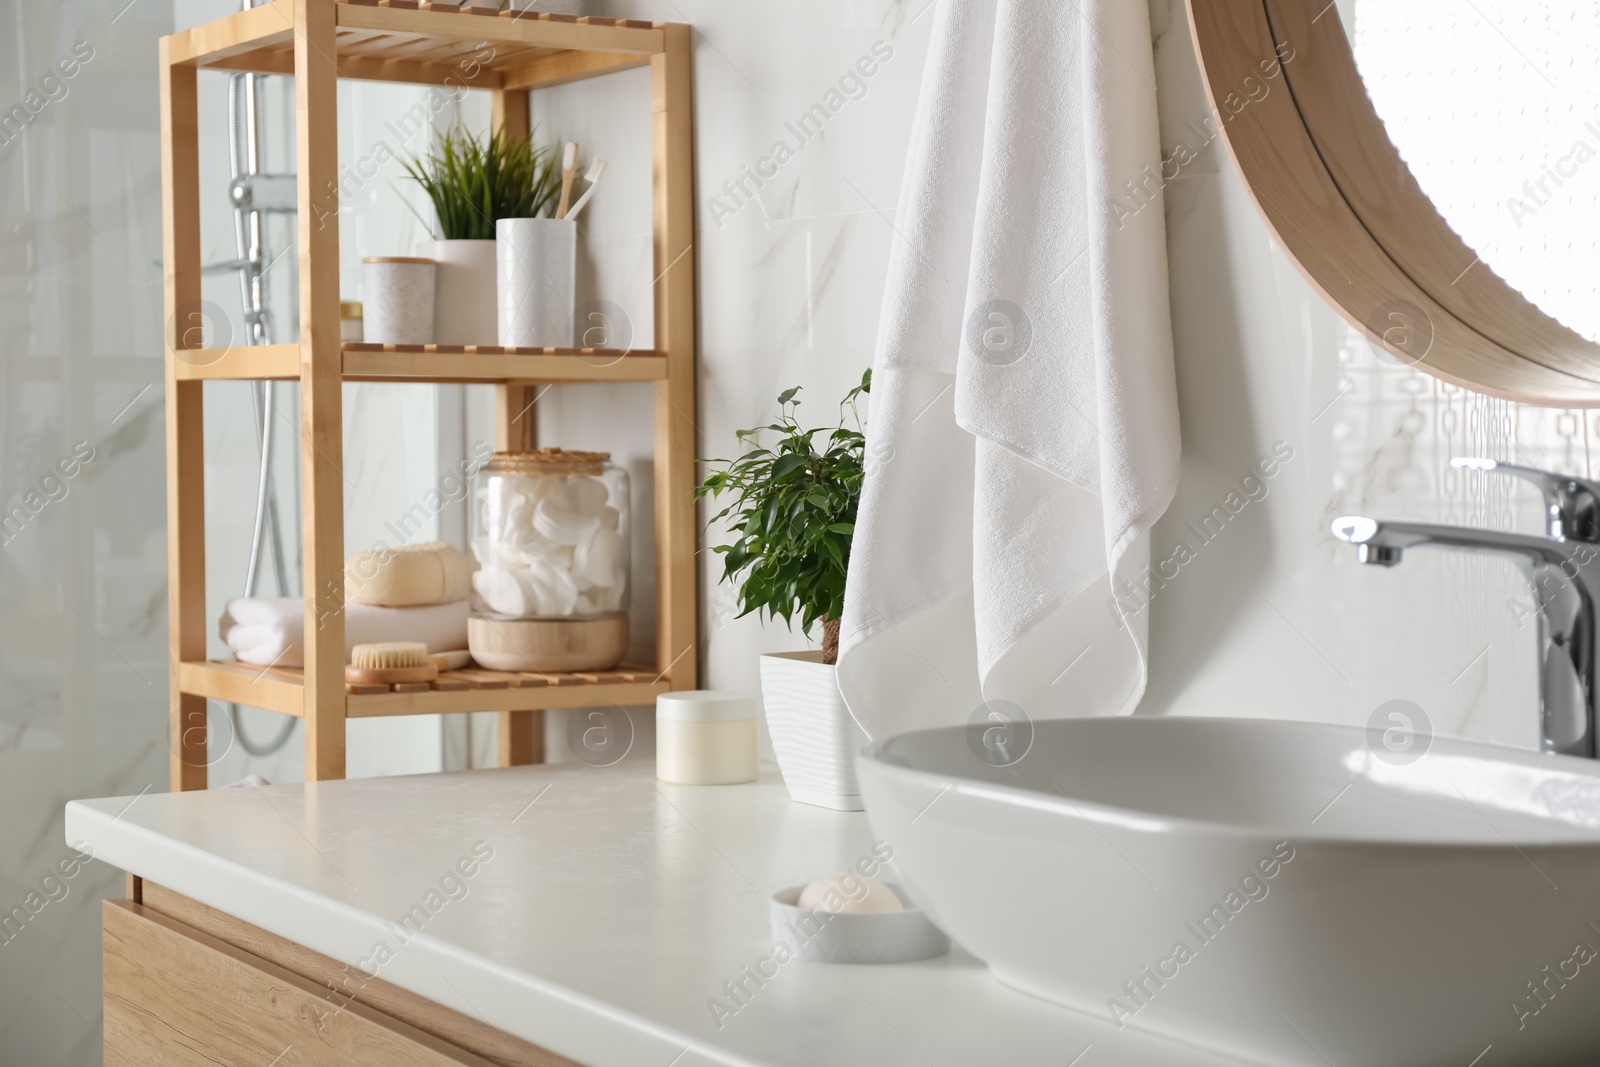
1274,618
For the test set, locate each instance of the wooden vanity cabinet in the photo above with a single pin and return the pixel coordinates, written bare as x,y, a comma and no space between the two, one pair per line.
186,984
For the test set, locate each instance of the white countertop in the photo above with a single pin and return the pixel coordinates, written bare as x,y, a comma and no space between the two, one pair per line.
611,910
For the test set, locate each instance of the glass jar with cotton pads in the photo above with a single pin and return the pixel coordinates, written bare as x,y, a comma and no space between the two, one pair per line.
706,737
551,539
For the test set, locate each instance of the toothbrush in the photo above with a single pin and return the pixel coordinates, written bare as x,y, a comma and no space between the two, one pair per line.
569,170
597,168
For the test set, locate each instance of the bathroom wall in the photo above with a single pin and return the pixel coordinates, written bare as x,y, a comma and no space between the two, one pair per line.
83,564
83,659
1270,618
1273,617
790,279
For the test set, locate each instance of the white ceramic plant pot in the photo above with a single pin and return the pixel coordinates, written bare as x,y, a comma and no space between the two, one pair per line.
538,281
464,292
813,734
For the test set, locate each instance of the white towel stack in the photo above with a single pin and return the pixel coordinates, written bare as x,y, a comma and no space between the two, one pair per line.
270,631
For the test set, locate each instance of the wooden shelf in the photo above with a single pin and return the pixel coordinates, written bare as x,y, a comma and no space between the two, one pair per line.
490,364
282,689
430,43
318,42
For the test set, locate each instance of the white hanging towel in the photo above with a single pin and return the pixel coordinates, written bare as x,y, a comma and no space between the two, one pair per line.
1023,433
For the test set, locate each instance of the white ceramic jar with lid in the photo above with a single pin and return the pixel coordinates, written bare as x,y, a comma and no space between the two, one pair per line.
397,300
706,737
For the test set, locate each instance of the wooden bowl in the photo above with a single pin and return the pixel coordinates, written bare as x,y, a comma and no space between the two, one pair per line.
548,645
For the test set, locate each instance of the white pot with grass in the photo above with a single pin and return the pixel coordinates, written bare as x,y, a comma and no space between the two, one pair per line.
466,308
455,174
793,495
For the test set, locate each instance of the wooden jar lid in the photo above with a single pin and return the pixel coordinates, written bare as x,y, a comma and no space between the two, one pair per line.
548,461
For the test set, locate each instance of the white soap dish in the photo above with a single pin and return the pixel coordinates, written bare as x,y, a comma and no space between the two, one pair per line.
877,937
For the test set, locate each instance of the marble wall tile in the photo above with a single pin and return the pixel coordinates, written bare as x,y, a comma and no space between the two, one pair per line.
82,567
83,582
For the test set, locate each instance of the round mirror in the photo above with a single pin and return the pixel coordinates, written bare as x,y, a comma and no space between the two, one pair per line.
1491,105
1433,169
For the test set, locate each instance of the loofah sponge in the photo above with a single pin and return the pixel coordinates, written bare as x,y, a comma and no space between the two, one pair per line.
410,576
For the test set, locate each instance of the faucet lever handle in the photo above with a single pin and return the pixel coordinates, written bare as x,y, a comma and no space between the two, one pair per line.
1572,505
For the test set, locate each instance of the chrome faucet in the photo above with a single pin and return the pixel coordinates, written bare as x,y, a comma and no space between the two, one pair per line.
1563,570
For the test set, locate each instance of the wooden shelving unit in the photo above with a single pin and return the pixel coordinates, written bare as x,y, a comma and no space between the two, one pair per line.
508,54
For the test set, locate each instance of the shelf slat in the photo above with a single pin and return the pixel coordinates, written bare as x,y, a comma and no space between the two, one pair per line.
518,699
273,688
239,363
261,27
512,28
415,43
429,363
559,68
281,689
484,363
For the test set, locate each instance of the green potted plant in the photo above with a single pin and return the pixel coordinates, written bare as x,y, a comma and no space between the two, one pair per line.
473,183
791,514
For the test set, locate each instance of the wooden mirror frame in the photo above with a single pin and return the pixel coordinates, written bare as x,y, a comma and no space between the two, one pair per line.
1284,89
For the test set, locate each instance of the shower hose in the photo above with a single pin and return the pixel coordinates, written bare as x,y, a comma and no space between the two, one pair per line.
244,158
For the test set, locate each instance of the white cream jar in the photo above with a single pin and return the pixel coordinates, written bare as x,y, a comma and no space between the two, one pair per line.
706,737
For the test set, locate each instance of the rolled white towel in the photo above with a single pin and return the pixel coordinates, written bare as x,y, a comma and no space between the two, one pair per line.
271,630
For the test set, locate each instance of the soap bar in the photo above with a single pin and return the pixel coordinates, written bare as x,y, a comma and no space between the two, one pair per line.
409,576
850,894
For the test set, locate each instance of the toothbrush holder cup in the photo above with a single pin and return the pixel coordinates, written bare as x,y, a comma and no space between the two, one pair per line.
538,266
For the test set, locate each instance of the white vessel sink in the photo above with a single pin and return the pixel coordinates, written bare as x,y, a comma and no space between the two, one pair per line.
1379,913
